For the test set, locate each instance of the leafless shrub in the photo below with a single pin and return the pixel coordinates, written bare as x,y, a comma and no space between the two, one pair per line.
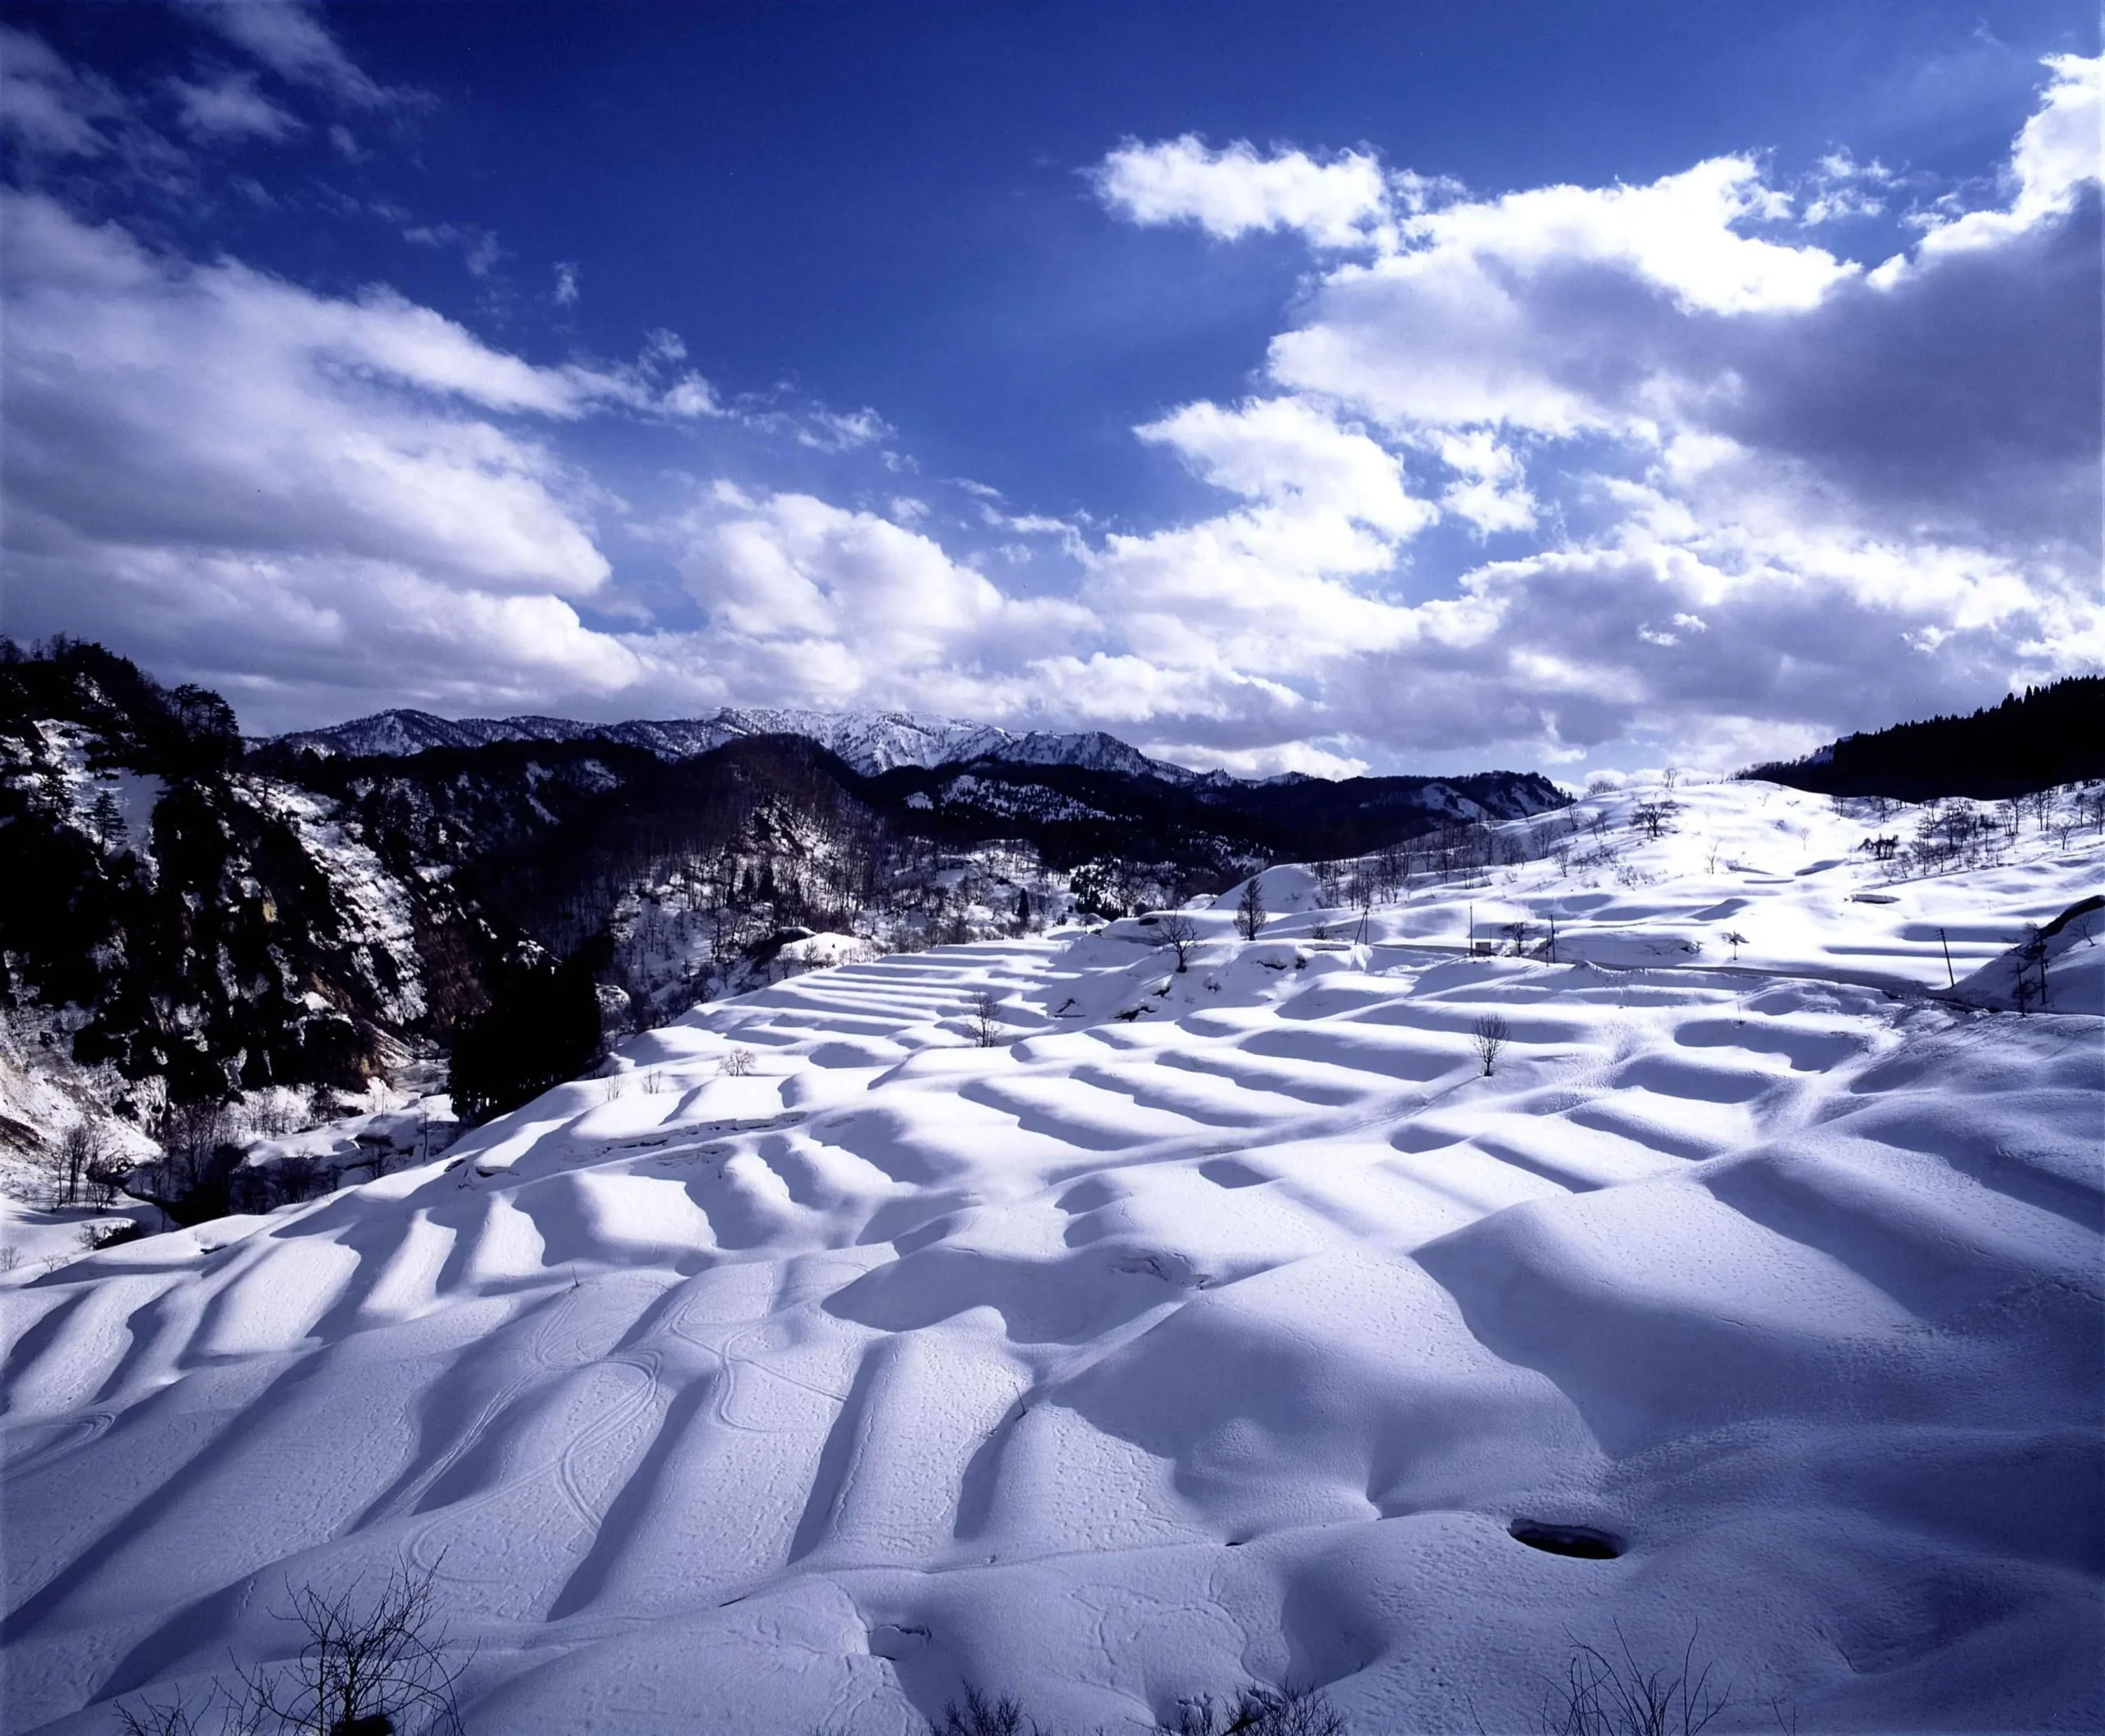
1601,1696
1179,931
984,1016
737,1064
1488,1036
980,1716
1258,1711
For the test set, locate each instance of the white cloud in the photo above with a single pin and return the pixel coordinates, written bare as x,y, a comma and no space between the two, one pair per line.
2056,155
283,482
1511,310
1681,233
1271,587
289,38
47,107
1492,492
839,606
1816,499
478,248
1772,496
230,108
1289,454
1339,203
842,431
1841,188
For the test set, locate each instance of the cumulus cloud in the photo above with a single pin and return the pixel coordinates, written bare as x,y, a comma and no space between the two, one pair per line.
1273,586
2055,158
1342,202
1744,490
1817,495
280,480
844,607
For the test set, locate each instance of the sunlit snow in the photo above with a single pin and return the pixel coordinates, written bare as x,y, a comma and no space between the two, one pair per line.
1206,1327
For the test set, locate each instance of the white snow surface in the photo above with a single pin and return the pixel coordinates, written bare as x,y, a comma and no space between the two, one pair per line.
1212,1326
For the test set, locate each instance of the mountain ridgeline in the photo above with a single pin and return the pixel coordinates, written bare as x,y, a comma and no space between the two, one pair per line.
2032,741
195,917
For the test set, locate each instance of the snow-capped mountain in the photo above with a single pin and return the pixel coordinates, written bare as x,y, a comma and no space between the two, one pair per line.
870,742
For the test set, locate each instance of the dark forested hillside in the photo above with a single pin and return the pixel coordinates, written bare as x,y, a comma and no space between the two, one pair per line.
2033,740
203,922
198,930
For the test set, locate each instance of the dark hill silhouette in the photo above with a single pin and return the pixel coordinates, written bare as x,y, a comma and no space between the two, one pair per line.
2034,740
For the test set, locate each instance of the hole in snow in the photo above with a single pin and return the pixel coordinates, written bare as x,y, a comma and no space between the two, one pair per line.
1582,1541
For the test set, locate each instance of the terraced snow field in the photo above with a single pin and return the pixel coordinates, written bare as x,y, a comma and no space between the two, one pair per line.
1209,1328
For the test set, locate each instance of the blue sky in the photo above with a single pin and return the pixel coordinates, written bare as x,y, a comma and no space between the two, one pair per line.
1408,387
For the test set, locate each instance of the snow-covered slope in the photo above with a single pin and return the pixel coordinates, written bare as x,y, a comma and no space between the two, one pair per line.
870,742
1208,1327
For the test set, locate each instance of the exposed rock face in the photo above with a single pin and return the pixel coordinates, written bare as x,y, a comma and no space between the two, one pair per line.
207,919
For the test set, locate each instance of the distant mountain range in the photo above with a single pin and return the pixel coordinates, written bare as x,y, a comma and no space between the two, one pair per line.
870,742
196,919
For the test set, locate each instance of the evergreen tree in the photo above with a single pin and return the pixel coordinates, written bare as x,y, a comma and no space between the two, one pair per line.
107,820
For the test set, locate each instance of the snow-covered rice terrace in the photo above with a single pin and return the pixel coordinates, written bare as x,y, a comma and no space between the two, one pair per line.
1180,1340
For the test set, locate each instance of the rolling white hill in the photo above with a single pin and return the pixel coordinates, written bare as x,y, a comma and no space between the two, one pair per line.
1209,1327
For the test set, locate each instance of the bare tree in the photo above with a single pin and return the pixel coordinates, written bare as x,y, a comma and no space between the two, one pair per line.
1516,936
106,1173
985,1016
1736,940
1178,931
737,1063
178,1717
1652,818
1489,1036
70,1159
1250,909
368,1667
374,1667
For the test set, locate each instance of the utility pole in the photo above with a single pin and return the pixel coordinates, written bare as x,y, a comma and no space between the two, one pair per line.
1950,977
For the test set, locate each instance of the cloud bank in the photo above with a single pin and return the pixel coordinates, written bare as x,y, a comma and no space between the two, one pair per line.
1549,474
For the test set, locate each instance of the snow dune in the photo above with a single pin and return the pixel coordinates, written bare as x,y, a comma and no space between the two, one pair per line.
1211,1326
